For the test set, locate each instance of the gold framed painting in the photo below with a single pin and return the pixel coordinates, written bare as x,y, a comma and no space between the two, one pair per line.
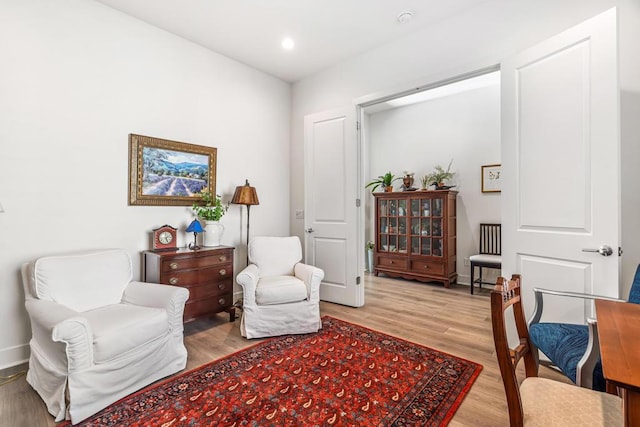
169,173
491,178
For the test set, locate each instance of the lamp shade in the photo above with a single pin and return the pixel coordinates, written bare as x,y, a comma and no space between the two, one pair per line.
195,227
245,195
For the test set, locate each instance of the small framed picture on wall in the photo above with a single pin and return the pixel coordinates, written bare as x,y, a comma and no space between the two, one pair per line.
491,178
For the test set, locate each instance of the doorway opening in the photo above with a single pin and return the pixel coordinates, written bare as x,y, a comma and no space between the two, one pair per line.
454,121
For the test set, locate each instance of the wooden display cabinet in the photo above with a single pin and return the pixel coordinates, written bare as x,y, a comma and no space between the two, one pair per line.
416,235
207,273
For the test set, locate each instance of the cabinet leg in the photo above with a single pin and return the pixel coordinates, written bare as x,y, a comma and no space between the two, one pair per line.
232,314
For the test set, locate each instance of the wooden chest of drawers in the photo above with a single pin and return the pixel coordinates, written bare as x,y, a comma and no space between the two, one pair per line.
207,273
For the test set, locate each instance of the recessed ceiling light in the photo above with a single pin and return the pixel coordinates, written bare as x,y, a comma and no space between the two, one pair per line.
288,43
405,17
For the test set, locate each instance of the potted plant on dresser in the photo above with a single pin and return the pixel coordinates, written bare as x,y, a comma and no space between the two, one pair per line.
210,211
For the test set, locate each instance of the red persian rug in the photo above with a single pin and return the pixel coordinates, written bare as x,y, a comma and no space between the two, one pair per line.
344,375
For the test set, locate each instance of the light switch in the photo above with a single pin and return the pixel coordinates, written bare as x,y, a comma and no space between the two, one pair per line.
299,213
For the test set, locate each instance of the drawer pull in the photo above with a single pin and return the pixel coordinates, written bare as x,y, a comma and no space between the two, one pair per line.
221,286
174,265
426,266
390,262
173,280
223,271
222,258
222,301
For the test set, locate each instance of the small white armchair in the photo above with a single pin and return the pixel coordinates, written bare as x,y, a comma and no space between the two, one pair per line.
96,335
281,295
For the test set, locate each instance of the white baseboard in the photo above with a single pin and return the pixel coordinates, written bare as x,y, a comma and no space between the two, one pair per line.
463,279
12,356
489,276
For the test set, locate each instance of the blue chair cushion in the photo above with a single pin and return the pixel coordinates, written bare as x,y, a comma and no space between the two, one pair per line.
634,293
565,344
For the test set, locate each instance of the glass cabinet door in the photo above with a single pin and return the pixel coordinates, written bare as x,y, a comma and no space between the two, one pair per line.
436,227
392,225
426,226
383,225
410,225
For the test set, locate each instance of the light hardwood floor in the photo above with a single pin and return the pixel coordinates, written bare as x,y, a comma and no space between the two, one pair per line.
450,320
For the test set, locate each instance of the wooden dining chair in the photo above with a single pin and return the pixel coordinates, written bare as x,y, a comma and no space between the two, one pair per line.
490,255
574,349
541,401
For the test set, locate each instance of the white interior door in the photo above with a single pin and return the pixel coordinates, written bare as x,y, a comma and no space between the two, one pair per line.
560,153
331,213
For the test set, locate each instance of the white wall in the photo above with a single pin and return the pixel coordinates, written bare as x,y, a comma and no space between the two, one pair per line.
474,39
464,127
76,78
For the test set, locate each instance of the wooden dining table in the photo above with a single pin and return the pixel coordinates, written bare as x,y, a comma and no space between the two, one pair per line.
619,335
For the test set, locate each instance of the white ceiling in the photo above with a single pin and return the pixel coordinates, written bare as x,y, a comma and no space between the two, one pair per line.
325,31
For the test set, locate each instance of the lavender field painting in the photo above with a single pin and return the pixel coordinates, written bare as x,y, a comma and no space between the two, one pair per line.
173,173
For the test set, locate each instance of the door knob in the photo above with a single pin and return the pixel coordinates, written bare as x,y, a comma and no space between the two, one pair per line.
604,250
309,230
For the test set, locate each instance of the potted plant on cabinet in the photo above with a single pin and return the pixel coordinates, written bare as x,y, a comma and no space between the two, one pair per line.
425,181
211,210
439,178
385,181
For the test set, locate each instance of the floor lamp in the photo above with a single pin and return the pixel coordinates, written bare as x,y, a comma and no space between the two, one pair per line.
246,195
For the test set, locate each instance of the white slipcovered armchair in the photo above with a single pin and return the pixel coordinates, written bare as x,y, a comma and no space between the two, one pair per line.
96,335
281,295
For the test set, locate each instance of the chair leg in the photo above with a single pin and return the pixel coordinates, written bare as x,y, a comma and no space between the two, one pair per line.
472,271
611,389
480,277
